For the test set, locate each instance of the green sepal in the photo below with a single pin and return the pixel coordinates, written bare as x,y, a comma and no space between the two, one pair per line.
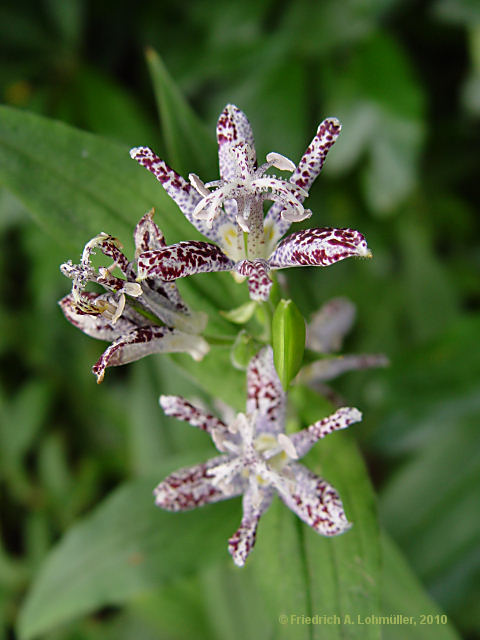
288,340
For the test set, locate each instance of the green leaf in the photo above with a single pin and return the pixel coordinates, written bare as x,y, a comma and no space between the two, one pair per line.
303,573
429,389
175,611
215,375
433,301
190,147
220,602
273,79
148,439
125,547
331,26
431,508
403,594
22,418
391,174
379,117
107,108
68,18
288,340
234,604
153,436
76,184
458,11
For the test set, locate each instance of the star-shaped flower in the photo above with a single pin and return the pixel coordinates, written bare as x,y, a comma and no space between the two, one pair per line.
226,209
138,319
258,460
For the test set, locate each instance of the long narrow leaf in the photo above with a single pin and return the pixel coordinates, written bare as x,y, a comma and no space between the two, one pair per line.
124,548
402,594
189,145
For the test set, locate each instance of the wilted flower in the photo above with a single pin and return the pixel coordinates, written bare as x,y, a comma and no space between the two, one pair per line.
258,459
325,333
235,206
138,319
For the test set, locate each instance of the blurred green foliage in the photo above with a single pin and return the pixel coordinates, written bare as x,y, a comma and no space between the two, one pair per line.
403,77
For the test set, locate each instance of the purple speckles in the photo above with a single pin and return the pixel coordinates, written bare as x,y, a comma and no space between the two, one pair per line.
191,487
259,461
138,319
179,408
259,282
307,169
183,259
265,394
304,440
183,194
318,247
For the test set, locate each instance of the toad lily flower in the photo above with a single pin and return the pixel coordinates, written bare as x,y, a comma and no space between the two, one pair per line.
139,319
226,209
258,459
325,334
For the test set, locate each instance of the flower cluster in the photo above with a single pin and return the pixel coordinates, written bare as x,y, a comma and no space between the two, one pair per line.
141,312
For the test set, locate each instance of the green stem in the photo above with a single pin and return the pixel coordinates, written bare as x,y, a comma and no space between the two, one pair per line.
219,340
264,316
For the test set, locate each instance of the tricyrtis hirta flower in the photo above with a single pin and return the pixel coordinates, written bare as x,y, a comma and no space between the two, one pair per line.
226,209
258,460
138,319
325,333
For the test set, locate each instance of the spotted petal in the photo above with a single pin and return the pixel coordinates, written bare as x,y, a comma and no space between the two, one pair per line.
177,187
329,368
146,340
233,127
304,440
183,259
314,500
254,504
159,297
179,408
147,235
306,172
318,247
329,325
265,394
259,282
313,159
111,247
192,487
244,159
